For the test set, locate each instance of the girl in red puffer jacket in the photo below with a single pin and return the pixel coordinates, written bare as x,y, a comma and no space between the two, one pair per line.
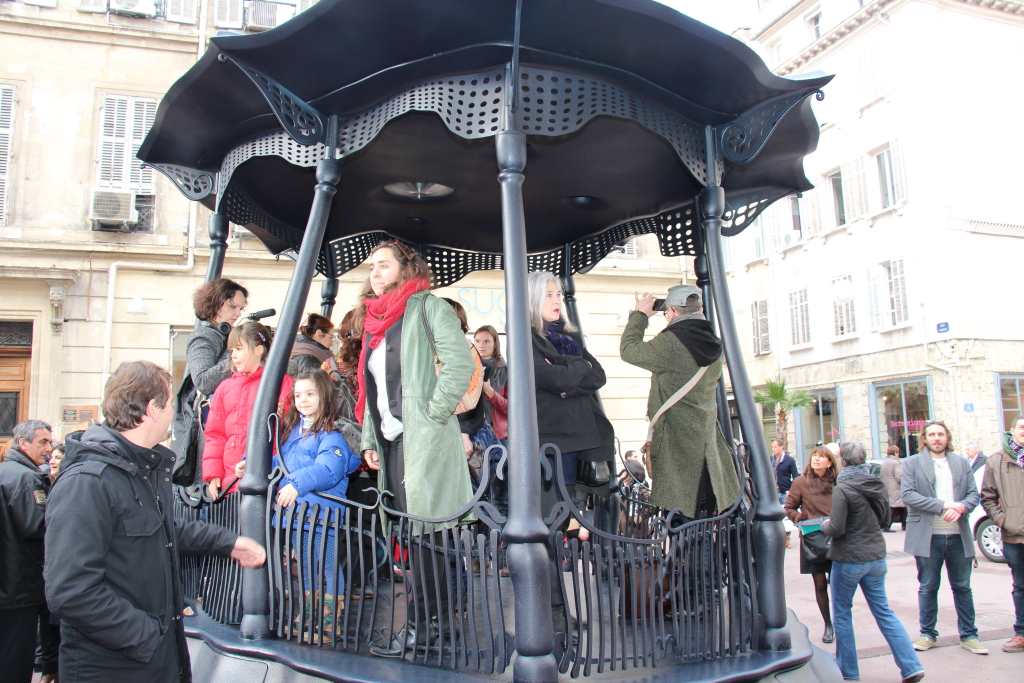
231,409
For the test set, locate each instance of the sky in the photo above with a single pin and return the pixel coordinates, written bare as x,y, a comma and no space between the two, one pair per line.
725,15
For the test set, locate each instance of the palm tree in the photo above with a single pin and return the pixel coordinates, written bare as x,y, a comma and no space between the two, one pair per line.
778,398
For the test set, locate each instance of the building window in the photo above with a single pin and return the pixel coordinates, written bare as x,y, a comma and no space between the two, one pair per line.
181,11
835,181
759,320
775,51
814,25
7,97
898,310
124,123
794,213
1011,396
627,249
228,14
901,409
820,423
883,160
842,306
799,317
757,229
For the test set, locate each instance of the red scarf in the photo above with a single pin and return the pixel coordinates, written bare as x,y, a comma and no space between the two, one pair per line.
381,314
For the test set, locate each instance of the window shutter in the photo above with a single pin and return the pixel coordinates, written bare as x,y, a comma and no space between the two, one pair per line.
874,293
898,293
181,11
755,331
899,183
113,142
811,212
869,66
764,341
855,189
143,113
228,14
92,5
771,219
799,317
6,145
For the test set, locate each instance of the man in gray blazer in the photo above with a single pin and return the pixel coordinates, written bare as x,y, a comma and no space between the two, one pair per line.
939,491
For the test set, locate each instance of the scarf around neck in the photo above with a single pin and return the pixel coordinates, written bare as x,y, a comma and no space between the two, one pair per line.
381,314
853,472
566,345
698,337
1018,451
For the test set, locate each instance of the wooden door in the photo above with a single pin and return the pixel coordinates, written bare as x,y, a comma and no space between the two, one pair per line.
14,378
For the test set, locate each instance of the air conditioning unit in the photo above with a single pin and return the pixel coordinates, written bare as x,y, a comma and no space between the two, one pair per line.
261,16
134,8
113,211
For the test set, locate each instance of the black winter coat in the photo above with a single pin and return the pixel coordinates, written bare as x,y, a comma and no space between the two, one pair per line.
23,491
113,573
567,411
860,508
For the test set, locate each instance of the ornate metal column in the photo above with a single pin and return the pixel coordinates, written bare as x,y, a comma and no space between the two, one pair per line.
524,531
328,296
253,486
218,228
768,535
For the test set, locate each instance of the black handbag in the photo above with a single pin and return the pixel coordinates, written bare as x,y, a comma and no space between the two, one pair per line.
187,428
815,544
593,473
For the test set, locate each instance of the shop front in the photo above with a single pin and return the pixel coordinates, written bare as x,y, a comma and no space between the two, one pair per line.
898,411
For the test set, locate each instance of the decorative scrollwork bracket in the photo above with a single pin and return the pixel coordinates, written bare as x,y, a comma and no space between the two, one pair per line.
193,184
301,121
743,139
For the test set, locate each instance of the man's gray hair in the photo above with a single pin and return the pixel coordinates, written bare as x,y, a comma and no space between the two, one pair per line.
27,430
972,443
852,453
536,287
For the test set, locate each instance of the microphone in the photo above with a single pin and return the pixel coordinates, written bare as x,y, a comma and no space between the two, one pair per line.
265,313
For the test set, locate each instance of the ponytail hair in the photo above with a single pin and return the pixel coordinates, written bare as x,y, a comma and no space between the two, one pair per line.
251,334
316,323
326,414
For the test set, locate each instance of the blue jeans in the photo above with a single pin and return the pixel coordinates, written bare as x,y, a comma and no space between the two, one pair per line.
1014,554
948,549
870,576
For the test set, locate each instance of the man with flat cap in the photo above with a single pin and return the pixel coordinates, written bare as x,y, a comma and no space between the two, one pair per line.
690,463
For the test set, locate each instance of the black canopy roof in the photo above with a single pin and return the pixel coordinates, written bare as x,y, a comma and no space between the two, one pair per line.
614,96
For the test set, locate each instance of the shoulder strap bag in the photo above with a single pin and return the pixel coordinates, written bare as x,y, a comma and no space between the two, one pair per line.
672,400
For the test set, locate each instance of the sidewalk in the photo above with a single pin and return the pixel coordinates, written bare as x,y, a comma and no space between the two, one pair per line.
991,584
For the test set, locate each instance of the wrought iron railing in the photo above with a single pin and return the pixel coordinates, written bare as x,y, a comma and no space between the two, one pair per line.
651,588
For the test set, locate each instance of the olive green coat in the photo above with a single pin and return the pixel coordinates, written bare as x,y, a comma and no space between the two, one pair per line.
687,434
437,482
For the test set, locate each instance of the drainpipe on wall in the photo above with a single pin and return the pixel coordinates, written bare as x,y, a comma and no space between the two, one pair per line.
108,333
948,369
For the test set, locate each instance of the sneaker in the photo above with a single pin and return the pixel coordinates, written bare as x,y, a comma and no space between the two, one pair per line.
915,678
1015,644
974,645
924,643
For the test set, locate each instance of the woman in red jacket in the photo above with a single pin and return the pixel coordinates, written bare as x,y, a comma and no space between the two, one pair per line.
227,427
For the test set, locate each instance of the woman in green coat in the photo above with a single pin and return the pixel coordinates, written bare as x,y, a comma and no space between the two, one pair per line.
410,434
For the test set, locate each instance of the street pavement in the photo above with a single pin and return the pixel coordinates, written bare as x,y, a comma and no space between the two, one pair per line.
947,663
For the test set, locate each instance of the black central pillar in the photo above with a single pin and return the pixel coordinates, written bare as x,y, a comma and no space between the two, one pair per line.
768,535
253,487
328,296
218,229
524,531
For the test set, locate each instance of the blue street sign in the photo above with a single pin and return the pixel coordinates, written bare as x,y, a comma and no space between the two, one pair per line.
968,407
942,328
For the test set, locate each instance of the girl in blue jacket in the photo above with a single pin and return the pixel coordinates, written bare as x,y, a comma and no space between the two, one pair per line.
317,460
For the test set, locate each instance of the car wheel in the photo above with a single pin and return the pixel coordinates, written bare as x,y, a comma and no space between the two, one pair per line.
990,540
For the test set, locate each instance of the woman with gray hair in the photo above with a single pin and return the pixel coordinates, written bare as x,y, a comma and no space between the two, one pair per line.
567,379
860,507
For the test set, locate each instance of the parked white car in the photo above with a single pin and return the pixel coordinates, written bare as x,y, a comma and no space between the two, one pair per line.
986,532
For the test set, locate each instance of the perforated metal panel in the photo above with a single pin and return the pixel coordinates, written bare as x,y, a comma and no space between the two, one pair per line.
741,210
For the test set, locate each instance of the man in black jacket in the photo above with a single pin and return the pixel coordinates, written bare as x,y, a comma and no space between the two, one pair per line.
23,492
112,547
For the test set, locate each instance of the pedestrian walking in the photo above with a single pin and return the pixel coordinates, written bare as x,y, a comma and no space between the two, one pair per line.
24,489
1002,495
972,451
112,544
860,508
940,493
784,466
892,474
810,501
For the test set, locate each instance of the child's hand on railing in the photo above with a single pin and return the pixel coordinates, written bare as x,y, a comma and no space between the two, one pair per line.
287,495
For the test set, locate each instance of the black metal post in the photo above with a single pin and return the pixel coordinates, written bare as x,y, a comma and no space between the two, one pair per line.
218,229
700,269
524,531
253,486
768,535
328,296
